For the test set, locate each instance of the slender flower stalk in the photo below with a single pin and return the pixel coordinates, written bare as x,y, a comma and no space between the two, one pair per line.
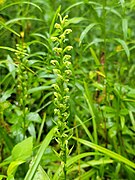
62,70
22,84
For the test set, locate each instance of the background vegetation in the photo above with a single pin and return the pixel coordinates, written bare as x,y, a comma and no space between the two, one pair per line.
67,113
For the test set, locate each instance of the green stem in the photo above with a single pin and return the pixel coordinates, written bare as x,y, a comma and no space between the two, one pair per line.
65,160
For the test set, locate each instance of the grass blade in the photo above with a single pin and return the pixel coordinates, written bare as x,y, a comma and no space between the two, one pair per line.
54,19
108,152
91,108
85,128
97,62
125,47
79,156
40,153
86,30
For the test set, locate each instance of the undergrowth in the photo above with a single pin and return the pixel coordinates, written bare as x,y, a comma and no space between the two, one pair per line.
67,92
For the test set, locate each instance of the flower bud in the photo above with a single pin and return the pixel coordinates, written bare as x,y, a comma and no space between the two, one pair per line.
54,62
56,87
56,71
26,109
67,64
60,77
54,39
58,50
57,95
56,111
66,90
68,72
62,36
68,31
66,57
66,98
57,26
68,48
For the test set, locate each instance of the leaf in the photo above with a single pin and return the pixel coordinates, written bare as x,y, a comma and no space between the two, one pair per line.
98,86
87,175
122,3
95,41
7,139
6,95
44,145
54,19
89,100
122,121
11,66
72,6
125,27
74,159
10,177
86,30
23,150
125,47
112,131
131,94
75,20
8,28
108,111
13,167
132,119
78,4
41,174
34,117
32,131
85,128
11,49
15,20
123,112
40,88
20,2
108,152
2,176
113,11
97,62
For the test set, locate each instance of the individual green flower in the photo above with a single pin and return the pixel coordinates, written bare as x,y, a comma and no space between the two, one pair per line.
67,57
68,72
58,26
53,38
68,48
54,62
68,31
58,50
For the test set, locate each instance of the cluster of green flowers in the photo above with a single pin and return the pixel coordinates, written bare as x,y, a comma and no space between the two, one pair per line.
22,78
62,70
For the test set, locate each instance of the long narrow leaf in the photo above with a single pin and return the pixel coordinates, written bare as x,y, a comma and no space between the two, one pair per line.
96,60
78,4
40,153
20,2
54,19
125,47
8,28
72,160
85,128
108,152
86,30
40,88
91,108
